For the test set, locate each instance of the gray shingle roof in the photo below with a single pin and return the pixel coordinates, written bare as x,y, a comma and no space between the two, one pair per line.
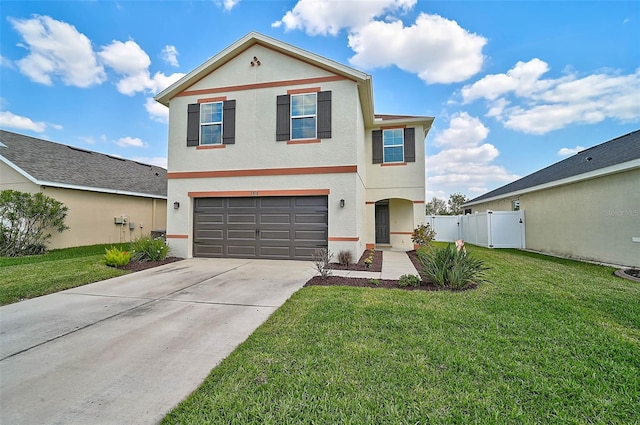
616,151
66,165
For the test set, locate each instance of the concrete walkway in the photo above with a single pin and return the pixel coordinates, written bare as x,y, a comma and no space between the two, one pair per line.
394,265
126,350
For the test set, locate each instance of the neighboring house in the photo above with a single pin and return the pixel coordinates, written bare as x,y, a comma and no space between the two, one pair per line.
110,199
275,152
586,206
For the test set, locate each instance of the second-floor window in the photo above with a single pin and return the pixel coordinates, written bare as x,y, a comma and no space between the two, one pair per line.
211,123
303,116
393,143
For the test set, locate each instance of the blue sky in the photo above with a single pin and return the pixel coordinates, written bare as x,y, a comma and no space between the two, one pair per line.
514,86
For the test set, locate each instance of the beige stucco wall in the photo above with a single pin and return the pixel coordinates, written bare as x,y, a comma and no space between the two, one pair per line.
91,217
10,179
594,219
256,148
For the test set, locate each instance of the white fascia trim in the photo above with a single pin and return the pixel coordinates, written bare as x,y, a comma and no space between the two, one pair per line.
98,189
76,187
618,168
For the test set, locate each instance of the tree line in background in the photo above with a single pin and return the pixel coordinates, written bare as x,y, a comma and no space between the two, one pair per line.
453,206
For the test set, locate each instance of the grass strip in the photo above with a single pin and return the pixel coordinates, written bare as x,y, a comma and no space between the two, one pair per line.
33,276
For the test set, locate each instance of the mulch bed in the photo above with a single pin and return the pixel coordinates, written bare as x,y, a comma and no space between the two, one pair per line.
376,265
136,266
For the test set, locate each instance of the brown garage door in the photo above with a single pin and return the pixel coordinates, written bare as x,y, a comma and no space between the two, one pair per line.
270,227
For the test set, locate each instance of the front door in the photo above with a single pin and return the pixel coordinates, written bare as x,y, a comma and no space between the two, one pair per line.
382,223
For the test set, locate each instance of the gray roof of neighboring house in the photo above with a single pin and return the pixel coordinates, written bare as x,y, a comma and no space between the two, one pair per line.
68,166
616,151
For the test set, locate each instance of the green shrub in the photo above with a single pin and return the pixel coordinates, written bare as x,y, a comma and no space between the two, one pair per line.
147,248
26,222
374,282
409,280
114,257
451,267
423,234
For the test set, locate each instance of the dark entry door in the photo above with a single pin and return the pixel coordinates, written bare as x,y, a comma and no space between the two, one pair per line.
382,223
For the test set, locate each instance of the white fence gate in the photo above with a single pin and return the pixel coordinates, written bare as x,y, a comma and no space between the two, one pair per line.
492,229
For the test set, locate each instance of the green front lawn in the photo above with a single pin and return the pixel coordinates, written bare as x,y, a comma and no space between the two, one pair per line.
33,276
548,341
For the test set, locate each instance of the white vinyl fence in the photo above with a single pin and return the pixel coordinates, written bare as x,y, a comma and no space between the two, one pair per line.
492,229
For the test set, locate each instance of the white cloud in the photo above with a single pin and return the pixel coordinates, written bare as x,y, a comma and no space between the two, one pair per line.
125,58
229,4
10,120
570,151
328,17
157,111
57,49
159,161
464,131
170,55
126,142
465,162
522,100
438,50
129,60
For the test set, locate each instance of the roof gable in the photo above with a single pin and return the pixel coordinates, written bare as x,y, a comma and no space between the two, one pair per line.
54,164
618,151
364,80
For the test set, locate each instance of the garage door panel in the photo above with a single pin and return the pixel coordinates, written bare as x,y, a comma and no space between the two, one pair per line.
319,218
211,218
204,203
270,227
276,202
269,235
237,234
310,201
242,218
242,203
282,218
208,250
212,234
241,251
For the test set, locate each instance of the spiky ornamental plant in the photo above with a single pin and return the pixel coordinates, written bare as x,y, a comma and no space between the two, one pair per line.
451,267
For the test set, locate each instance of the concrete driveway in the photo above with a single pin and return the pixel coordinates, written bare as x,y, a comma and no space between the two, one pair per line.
127,350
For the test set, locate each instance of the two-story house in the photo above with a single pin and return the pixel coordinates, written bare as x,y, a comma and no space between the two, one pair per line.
275,151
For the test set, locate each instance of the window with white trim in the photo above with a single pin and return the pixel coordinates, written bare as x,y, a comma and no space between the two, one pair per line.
393,145
211,123
303,116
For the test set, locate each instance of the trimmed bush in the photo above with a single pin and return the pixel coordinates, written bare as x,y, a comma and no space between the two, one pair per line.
409,280
451,267
147,248
114,257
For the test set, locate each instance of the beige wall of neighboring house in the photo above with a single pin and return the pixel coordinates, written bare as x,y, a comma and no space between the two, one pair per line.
91,214
91,217
594,219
